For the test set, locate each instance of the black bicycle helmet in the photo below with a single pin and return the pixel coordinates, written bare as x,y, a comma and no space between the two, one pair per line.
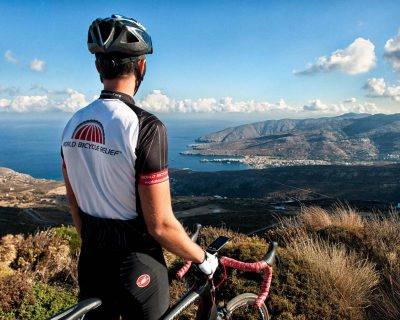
118,35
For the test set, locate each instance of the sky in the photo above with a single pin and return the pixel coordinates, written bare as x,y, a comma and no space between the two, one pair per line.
243,59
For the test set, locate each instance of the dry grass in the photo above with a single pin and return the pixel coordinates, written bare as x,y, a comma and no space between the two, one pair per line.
342,274
387,300
315,218
352,245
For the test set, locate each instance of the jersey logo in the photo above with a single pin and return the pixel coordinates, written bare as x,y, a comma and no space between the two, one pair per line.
143,280
90,130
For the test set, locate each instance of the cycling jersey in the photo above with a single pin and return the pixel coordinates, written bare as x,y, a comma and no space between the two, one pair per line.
108,148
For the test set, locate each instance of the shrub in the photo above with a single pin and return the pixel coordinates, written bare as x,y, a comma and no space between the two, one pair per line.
14,289
71,235
47,256
44,302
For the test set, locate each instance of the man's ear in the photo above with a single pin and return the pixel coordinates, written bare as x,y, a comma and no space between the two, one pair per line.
142,67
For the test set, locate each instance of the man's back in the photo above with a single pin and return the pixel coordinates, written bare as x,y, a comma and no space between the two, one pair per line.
105,140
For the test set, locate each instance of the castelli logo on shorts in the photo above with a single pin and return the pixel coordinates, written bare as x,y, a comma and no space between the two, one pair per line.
143,280
90,130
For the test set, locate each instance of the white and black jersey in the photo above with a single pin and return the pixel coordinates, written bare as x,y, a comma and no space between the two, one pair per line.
108,148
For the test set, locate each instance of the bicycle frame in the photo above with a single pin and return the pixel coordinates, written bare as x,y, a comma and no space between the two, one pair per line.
207,308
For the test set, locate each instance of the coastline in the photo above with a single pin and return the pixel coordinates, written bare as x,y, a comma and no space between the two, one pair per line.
264,162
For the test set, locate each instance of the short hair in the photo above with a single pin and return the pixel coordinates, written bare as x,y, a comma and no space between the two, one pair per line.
111,66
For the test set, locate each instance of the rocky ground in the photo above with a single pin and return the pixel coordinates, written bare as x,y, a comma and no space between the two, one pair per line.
27,204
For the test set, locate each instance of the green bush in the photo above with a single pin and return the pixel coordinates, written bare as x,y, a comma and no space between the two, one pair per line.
71,235
44,302
7,315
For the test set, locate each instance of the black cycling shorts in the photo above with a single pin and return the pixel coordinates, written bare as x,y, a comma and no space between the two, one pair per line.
131,285
123,269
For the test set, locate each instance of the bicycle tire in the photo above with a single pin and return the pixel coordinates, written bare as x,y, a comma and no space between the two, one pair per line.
243,300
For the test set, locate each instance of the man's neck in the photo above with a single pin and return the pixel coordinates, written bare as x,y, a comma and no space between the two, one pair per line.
127,87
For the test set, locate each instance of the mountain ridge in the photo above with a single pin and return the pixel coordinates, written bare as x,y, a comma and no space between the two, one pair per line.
353,137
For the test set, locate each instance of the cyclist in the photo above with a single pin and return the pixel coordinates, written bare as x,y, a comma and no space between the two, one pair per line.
116,175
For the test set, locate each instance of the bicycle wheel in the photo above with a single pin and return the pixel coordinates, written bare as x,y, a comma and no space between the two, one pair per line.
242,307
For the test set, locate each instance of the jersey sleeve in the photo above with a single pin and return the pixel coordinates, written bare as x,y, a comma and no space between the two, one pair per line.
152,152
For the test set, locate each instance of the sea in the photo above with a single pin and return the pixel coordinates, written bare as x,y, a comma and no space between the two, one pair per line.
31,143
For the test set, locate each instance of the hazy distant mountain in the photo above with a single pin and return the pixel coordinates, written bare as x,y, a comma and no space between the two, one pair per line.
347,137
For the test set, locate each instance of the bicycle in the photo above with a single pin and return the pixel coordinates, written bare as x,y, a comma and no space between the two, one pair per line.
243,306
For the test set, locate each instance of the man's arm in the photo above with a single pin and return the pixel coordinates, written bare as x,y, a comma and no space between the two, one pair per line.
72,202
162,224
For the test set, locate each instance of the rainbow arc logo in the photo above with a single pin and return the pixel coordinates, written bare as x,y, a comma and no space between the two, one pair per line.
90,130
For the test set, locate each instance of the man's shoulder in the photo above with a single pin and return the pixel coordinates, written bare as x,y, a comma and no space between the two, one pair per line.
79,113
147,118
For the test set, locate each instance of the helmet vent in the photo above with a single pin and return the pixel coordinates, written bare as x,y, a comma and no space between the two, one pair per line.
117,32
130,38
105,30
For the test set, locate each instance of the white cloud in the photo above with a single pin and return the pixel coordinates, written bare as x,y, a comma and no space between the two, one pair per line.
10,57
377,87
74,101
70,101
157,101
4,103
392,52
37,65
29,103
350,100
318,106
315,105
358,57
366,107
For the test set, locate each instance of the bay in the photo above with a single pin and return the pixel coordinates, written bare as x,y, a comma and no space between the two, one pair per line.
31,143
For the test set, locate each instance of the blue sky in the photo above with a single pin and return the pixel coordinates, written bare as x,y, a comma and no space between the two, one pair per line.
245,50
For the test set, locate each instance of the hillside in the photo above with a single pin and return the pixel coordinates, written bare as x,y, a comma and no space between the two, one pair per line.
216,198
332,265
350,137
28,204
237,199
378,183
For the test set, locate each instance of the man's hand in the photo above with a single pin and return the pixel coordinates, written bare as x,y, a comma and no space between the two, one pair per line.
209,265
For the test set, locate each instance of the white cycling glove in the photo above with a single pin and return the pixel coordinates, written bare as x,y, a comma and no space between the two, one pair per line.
209,265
